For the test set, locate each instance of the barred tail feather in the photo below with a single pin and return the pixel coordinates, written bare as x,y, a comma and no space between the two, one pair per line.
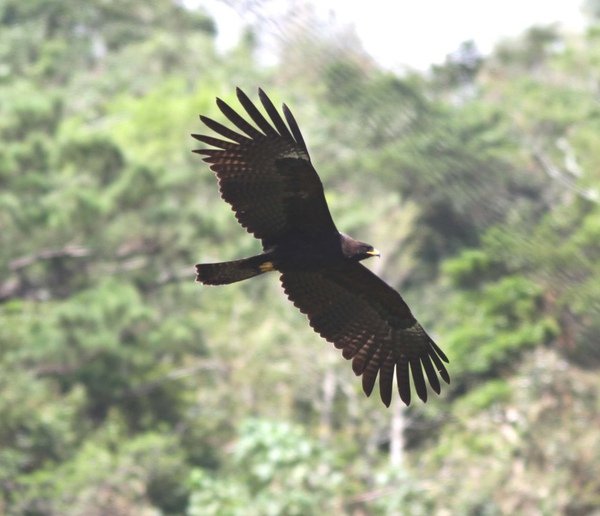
231,272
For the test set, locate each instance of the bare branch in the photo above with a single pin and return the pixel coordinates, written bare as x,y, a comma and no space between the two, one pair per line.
591,194
69,251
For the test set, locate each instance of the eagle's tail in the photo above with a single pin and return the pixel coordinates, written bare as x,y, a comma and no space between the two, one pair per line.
230,272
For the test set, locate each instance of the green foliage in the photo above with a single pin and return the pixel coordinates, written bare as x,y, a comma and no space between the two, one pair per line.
110,474
127,389
284,472
506,314
470,268
540,436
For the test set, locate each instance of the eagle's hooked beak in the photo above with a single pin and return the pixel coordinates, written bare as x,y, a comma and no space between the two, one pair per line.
373,252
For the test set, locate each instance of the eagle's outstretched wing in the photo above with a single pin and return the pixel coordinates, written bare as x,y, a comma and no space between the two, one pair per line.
359,313
265,173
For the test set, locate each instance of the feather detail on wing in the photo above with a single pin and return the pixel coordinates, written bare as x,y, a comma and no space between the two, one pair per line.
369,321
265,173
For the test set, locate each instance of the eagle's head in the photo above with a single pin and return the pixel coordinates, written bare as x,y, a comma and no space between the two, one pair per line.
355,250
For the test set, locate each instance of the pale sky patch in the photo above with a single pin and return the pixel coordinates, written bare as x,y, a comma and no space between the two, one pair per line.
401,33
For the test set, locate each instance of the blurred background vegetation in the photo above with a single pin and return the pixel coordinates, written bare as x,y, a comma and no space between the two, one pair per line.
125,388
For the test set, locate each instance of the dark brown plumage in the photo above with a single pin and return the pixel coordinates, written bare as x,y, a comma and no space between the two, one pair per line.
265,174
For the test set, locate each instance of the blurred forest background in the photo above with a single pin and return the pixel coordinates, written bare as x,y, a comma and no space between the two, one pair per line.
126,388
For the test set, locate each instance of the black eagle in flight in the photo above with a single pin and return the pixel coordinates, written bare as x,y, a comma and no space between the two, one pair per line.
265,174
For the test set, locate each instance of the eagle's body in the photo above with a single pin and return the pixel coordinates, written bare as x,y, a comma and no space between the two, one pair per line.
301,253
266,175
